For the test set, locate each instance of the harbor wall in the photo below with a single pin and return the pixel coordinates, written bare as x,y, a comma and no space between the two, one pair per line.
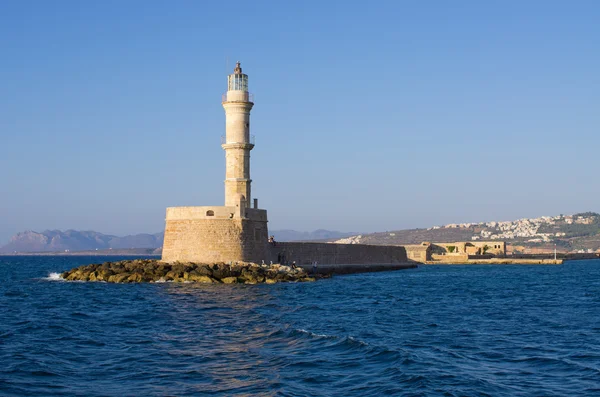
339,256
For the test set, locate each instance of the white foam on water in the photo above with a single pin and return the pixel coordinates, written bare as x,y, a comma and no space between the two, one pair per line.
358,341
54,277
314,334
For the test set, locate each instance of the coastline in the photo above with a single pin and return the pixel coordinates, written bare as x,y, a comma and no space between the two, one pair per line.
500,261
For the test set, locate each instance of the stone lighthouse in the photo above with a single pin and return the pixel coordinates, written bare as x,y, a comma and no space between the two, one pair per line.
236,231
237,142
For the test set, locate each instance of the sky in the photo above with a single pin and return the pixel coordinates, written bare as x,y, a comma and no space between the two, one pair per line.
369,115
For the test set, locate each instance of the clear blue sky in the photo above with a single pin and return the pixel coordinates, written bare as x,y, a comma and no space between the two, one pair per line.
369,115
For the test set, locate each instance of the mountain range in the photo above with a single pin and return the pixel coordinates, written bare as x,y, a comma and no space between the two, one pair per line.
73,240
578,232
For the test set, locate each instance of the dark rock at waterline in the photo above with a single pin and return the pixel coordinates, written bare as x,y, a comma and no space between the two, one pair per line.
152,270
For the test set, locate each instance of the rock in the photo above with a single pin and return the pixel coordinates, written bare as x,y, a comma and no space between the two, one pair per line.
172,275
180,268
199,278
117,267
103,274
118,278
222,271
149,270
204,270
134,278
150,276
281,277
73,275
229,280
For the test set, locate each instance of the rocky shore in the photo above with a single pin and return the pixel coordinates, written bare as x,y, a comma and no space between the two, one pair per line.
152,270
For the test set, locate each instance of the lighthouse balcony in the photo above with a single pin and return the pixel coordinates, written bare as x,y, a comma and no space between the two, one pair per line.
238,96
249,142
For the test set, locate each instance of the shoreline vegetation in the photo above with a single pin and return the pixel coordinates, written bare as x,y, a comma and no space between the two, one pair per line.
153,270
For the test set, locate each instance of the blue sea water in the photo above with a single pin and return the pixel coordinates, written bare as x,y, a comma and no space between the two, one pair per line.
431,331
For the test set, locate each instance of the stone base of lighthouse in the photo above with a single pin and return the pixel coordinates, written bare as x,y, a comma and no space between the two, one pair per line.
215,234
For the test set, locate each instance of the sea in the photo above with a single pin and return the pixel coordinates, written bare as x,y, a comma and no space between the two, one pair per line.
507,330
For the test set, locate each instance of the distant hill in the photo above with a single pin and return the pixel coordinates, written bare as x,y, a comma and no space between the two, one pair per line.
569,232
320,234
73,240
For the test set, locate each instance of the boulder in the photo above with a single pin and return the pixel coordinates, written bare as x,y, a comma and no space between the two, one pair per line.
180,268
118,278
73,275
204,270
172,275
162,268
222,271
135,278
103,274
229,280
198,278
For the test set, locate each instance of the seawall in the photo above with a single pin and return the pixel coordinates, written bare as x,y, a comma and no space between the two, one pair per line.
350,268
340,258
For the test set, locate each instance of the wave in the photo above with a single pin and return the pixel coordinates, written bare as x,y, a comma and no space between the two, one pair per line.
303,331
346,339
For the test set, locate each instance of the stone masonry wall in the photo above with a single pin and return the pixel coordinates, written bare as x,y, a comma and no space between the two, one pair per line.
214,240
418,252
331,254
473,247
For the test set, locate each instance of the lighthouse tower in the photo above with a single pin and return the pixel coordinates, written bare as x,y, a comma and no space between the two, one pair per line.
236,231
237,141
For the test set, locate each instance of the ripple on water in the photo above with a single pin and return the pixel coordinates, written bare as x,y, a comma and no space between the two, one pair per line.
450,331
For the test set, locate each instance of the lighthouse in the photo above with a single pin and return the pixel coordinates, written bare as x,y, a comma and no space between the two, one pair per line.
235,231
237,142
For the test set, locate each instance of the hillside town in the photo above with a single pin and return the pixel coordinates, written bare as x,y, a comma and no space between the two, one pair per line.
578,233
527,229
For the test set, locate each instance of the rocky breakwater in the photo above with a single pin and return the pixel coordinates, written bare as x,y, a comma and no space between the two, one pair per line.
152,270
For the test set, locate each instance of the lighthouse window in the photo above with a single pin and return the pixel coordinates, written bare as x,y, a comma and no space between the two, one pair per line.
210,213
238,82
